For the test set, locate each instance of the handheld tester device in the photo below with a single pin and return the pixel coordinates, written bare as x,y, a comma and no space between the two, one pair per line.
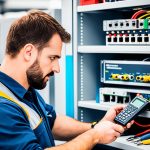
135,107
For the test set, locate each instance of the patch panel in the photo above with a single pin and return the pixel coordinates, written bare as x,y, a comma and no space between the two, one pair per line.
128,38
125,72
120,95
126,24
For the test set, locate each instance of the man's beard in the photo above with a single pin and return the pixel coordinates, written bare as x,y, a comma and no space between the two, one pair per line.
35,76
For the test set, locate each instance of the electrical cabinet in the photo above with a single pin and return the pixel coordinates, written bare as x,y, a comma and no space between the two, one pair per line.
95,93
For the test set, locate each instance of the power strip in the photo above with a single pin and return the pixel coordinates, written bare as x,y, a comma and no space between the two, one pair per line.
126,24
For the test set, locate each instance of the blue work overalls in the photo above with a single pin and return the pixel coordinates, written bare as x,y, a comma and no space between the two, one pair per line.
15,129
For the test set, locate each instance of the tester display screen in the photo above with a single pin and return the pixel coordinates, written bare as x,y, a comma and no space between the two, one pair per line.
137,103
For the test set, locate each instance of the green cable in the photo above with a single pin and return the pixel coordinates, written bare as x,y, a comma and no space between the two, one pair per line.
146,23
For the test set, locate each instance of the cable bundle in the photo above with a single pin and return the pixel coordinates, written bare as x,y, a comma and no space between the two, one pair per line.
142,137
141,14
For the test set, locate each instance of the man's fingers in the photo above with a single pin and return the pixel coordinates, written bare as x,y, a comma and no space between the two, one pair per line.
117,134
130,124
119,128
119,107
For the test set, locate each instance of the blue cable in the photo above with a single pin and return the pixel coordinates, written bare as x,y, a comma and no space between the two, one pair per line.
141,138
145,137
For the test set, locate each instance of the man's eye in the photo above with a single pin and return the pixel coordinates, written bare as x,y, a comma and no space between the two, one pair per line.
52,58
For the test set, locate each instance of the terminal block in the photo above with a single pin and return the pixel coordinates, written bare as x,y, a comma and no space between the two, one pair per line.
112,95
125,72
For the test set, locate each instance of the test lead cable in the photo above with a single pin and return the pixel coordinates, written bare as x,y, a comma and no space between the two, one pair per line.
142,125
138,135
144,142
141,138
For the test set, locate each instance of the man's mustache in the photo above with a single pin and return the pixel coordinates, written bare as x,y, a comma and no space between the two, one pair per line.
51,74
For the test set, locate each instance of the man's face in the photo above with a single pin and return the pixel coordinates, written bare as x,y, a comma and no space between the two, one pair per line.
46,64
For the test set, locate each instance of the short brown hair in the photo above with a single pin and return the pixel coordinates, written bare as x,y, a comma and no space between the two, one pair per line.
36,27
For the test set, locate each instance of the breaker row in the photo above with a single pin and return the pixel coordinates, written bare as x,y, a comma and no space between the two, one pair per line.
127,39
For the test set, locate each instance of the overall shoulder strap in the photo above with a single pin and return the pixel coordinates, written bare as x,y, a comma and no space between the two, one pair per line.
32,115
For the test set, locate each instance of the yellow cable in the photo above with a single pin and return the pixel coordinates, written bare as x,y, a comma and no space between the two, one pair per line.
146,142
148,14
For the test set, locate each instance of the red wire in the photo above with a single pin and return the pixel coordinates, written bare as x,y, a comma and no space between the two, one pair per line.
141,125
141,133
138,13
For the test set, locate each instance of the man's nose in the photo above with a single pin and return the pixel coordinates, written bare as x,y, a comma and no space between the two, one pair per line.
56,67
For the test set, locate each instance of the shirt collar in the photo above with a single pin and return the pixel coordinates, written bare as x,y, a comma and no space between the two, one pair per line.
13,85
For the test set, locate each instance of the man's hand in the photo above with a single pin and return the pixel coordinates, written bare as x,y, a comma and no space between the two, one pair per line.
108,131
113,112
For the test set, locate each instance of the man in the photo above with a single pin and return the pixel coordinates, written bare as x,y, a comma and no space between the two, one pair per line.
33,49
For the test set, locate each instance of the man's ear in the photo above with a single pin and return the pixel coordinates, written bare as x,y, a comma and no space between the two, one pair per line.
29,52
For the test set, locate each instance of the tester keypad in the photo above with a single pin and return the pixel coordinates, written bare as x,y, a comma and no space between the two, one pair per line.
126,113
136,106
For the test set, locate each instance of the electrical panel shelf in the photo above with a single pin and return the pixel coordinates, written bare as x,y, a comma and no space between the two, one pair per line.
91,104
94,90
114,49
